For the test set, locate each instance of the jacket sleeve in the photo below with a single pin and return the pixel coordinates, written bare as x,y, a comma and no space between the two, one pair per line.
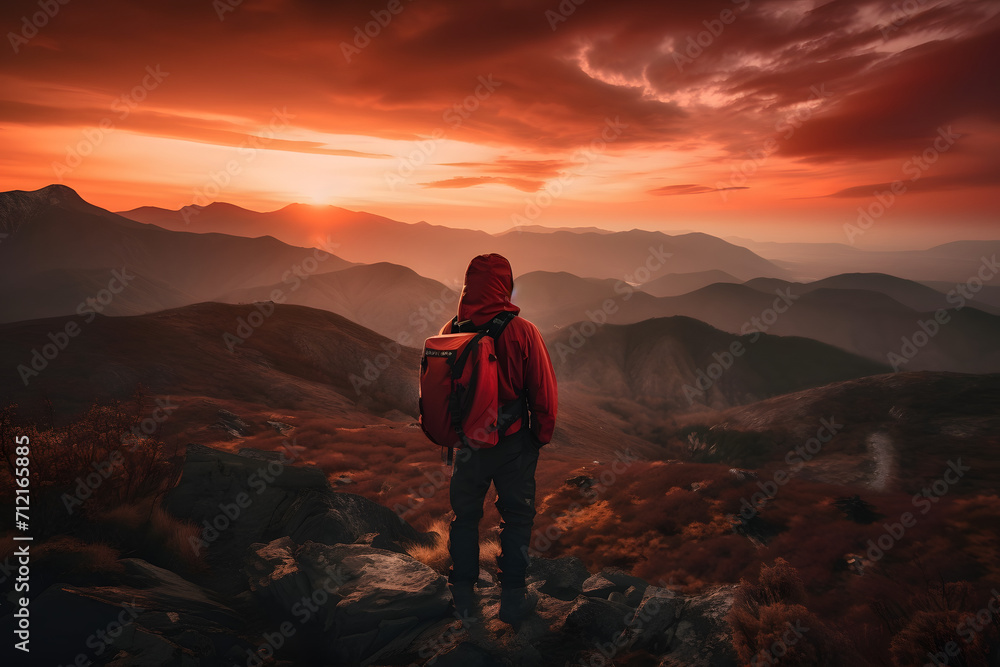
540,381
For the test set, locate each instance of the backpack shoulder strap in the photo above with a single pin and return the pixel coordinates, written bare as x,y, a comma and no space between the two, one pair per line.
496,326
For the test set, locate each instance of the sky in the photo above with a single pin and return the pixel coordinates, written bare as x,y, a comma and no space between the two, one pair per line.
777,121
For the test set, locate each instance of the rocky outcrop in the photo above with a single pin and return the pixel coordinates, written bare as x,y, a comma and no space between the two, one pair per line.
351,603
150,617
301,574
239,500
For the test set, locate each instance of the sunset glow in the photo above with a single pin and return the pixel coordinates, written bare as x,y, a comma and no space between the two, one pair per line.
768,120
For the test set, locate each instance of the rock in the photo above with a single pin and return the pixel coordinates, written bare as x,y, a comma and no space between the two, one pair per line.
634,595
280,427
371,603
614,582
582,482
562,578
654,621
596,619
597,586
703,637
239,500
151,617
232,424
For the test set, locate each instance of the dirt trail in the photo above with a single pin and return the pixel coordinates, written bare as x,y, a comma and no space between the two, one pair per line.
883,453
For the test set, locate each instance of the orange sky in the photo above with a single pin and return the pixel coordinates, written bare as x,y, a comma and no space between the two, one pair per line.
769,120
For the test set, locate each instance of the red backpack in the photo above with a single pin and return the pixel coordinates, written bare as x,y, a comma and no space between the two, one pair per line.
459,387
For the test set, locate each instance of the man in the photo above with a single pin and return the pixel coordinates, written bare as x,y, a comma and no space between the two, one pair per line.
525,370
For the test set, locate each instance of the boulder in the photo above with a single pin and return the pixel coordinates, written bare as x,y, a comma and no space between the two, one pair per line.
151,617
241,500
703,637
367,603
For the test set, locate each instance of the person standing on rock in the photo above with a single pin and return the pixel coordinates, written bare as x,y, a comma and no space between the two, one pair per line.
525,370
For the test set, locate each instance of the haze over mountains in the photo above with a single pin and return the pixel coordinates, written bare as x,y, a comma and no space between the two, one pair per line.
61,251
441,252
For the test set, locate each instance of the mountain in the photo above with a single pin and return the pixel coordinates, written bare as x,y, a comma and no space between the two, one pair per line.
862,321
677,365
541,229
61,250
914,295
443,253
675,284
954,262
387,298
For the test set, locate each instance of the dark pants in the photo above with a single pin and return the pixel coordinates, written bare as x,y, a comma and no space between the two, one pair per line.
510,465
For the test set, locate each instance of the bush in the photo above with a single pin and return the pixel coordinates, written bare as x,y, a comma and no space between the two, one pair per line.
770,625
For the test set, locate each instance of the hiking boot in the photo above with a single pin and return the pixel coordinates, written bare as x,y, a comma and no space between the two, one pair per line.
464,598
515,605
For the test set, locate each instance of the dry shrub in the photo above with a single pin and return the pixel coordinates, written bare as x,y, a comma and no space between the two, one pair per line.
68,558
150,532
770,625
437,557
929,633
103,454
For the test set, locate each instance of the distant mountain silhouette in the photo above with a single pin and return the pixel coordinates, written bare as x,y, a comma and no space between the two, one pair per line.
950,262
674,284
443,253
61,250
867,322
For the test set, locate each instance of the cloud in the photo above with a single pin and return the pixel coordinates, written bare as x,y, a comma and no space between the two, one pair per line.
524,185
691,189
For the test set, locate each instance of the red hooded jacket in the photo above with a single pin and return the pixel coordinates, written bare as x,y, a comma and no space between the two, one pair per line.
524,360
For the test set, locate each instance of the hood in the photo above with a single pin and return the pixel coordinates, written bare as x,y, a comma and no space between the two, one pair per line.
488,285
